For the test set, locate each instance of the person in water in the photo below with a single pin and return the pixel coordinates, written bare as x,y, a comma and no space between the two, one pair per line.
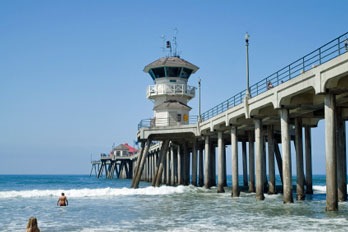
63,201
32,225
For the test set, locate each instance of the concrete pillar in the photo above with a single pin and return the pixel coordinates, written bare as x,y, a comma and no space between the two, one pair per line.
259,160
285,134
224,167
180,177
330,150
162,162
221,164
299,160
200,181
186,169
176,166
213,166
234,148
141,164
244,158
341,156
207,183
271,166
168,168
172,173
308,152
264,173
194,164
251,164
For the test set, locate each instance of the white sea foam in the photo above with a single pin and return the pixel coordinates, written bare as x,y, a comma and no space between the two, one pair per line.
98,192
319,189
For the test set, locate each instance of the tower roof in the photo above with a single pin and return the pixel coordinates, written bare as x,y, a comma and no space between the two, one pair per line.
172,61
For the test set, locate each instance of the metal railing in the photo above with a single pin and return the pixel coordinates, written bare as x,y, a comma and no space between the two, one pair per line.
165,122
330,50
170,89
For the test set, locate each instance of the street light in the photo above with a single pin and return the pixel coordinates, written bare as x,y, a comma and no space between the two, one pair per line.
199,99
247,94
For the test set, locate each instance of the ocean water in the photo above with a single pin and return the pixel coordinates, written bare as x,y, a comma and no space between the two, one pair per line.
110,205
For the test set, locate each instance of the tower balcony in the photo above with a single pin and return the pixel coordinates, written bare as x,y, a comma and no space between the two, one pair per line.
171,90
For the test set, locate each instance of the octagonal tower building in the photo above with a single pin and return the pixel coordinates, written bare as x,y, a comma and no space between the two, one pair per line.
170,92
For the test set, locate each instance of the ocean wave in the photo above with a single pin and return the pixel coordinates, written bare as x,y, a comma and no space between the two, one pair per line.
319,189
98,192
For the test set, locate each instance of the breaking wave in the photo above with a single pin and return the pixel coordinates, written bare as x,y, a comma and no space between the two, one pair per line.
98,192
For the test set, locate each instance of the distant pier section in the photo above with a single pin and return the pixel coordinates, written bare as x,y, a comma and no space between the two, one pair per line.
118,163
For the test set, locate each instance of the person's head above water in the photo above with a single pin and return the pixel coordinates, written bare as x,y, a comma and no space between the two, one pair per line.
32,224
62,194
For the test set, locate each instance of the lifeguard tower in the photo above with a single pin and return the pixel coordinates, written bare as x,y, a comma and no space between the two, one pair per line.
170,92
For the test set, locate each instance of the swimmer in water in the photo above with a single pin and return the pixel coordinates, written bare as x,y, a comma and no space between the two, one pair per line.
63,201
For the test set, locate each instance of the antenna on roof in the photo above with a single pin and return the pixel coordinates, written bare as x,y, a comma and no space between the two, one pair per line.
163,44
174,42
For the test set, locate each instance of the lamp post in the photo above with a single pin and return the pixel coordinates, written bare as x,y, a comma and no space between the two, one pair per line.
247,94
199,99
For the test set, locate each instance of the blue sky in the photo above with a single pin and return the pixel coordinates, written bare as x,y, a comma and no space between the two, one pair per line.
71,79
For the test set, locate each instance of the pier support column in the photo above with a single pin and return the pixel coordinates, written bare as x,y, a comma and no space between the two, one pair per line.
179,163
264,173
137,165
221,163
251,164
234,148
308,152
194,164
141,163
259,160
186,165
225,167
200,181
207,183
244,158
299,160
285,134
330,150
162,161
172,178
168,168
213,165
175,165
271,165
341,156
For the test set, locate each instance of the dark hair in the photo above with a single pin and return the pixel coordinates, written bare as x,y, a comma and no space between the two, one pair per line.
62,194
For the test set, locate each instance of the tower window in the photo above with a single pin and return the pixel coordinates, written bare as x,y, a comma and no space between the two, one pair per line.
173,71
186,73
159,72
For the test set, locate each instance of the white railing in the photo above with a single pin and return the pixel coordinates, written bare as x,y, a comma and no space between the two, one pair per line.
170,89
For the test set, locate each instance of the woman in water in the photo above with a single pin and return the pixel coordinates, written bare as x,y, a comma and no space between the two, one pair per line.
32,225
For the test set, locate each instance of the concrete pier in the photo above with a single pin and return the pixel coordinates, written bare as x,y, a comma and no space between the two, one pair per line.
311,89
287,177
259,160
271,165
221,164
299,160
234,148
251,164
207,164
